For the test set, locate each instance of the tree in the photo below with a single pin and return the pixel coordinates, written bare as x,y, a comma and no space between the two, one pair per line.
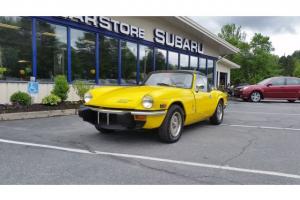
232,34
297,68
255,58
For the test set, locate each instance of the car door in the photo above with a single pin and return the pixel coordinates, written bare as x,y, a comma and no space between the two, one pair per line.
203,97
292,88
275,88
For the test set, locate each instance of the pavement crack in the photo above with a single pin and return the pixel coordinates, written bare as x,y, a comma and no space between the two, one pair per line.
140,164
243,150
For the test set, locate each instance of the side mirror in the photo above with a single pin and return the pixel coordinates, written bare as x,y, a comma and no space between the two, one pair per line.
269,84
199,87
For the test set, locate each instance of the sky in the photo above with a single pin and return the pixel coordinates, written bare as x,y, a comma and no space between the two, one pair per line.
284,32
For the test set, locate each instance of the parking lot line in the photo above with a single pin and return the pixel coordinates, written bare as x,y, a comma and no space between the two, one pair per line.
262,127
263,113
148,158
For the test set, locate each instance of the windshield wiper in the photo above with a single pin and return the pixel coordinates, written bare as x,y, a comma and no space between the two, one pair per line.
164,84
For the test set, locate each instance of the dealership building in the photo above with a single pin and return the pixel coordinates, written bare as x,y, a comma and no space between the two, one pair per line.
105,51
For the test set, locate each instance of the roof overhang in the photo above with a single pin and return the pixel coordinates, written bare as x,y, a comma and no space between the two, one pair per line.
223,46
229,63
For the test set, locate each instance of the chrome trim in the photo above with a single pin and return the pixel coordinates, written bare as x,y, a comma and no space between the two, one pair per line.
148,113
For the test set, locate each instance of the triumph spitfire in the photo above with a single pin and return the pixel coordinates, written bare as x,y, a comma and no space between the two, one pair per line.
166,101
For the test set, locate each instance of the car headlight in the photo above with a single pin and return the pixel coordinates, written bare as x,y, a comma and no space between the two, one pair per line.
87,97
245,88
147,101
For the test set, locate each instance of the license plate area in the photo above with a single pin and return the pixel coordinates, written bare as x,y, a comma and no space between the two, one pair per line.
106,119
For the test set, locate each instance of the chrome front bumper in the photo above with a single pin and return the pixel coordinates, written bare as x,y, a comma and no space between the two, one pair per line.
133,112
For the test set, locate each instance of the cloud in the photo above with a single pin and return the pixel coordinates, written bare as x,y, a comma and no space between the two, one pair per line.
284,32
256,23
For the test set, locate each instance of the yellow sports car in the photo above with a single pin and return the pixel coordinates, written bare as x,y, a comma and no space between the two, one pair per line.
167,101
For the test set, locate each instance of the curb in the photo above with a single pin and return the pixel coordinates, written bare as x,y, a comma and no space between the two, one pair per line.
36,114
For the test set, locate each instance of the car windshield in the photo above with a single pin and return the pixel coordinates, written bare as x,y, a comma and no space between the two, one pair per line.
171,79
264,82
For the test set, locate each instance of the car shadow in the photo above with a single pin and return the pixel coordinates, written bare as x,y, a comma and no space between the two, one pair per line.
142,136
234,99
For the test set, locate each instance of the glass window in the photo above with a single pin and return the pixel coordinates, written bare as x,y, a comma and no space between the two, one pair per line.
293,81
184,61
160,59
210,71
201,80
15,48
193,63
167,79
51,51
129,60
172,60
146,61
278,81
202,65
83,55
109,61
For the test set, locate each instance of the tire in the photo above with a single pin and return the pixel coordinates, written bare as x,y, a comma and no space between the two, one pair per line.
171,129
218,115
103,130
291,101
255,96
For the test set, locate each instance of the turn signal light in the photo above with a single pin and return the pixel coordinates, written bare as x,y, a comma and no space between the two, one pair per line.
163,105
140,117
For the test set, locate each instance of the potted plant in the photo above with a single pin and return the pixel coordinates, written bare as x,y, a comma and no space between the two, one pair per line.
2,72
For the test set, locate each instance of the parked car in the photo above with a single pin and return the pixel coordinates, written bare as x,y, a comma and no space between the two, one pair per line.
287,88
167,101
238,89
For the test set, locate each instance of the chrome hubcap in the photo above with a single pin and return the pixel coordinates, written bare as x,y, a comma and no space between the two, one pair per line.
219,112
175,124
255,96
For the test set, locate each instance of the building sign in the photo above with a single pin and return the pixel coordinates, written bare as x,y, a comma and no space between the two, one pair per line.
110,25
172,40
160,36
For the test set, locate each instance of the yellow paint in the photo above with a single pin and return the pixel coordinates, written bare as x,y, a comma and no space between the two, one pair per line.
197,105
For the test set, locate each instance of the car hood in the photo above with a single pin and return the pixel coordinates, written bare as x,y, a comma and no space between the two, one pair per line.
127,97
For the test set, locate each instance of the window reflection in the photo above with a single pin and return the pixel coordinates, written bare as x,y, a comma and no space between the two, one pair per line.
202,65
210,71
146,61
15,48
109,61
129,61
83,55
160,59
193,63
184,61
172,60
51,51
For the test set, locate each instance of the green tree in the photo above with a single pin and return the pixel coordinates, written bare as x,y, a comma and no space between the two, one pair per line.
232,34
297,68
255,57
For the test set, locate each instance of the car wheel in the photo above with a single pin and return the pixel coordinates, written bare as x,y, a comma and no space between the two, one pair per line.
291,101
171,128
255,97
217,118
103,130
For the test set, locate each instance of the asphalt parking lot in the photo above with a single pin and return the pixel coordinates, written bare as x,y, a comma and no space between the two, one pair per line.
258,143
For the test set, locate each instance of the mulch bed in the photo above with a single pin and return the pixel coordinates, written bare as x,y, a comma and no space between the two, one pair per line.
38,107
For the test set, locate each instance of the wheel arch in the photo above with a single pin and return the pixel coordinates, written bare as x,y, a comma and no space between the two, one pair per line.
259,91
179,103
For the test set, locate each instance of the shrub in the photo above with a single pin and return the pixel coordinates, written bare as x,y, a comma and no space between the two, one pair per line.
21,98
81,88
51,100
61,87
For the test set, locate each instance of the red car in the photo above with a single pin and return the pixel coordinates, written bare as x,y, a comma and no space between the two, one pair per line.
287,88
